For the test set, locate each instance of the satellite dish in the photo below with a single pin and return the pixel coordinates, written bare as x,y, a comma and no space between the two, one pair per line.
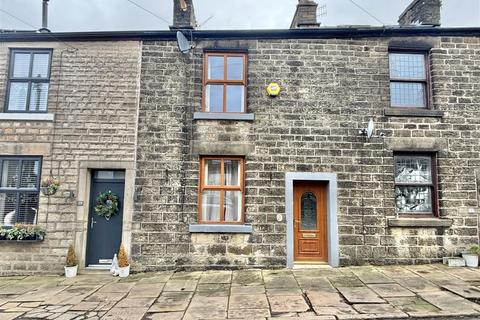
183,43
370,128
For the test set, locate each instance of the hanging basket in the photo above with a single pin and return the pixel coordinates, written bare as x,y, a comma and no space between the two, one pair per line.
106,205
50,186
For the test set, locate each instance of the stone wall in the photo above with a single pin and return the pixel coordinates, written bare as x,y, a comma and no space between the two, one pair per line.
94,96
330,89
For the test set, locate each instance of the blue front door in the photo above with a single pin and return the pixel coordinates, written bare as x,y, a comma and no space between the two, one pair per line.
104,236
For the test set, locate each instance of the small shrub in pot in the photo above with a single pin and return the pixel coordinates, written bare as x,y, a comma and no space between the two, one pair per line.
471,256
123,264
71,263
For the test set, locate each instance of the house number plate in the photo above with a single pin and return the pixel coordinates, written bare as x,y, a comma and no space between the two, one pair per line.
309,235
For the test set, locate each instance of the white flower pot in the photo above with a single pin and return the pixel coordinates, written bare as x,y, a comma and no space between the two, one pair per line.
71,272
471,260
124,272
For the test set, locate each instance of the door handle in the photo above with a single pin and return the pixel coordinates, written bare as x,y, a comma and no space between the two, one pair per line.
92,223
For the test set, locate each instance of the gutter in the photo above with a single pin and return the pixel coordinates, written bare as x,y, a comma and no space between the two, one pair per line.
317,33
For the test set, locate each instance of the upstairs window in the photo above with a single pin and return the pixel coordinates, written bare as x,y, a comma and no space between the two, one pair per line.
19,190
221,190
415,185
28,80
409,79
224,82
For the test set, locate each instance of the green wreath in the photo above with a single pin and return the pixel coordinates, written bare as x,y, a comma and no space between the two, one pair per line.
106,205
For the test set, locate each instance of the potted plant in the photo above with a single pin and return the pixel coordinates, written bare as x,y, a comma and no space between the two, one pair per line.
123,265
50,186
471,256
71,266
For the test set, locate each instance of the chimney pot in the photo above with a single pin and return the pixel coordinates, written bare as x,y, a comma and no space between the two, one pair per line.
183,15
305,15
425,12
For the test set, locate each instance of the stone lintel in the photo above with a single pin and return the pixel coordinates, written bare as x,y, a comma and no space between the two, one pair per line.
420,222
221,148
25,149
416,144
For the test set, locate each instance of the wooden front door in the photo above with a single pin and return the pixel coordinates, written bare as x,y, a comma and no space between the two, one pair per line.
310,221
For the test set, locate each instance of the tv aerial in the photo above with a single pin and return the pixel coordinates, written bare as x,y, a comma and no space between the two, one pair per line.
369,130
184,45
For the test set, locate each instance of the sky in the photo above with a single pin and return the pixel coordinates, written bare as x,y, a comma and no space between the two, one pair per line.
111,15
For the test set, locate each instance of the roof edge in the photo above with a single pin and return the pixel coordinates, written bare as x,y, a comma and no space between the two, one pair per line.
322,32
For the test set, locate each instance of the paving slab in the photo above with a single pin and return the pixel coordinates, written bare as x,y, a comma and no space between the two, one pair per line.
10,315
144,290
106,296
418,284
184,275
395,272
213,290
284,291
205,313
72,295
283,303
247,290
254,301
350,280
280,281
199,302
371,275
135,302
247,278
385,310
180,285
165,316
414,306
171,301
39,294
248,313
465,274
216,277
124,287
85,306
157,277
335,310
356,295
448,301
467,292
313,282
389,290
325,299
125,314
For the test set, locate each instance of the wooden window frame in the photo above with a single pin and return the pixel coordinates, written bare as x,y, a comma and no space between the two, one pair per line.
203,187
433,185
29,80
224,81
17,190
427,83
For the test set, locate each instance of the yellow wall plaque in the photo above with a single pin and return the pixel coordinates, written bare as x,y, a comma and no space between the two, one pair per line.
273,89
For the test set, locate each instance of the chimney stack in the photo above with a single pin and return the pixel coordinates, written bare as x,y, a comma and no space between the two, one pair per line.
305,15
44,17
183,15
424,12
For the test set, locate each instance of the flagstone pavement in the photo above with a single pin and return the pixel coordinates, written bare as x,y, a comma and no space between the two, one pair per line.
390,292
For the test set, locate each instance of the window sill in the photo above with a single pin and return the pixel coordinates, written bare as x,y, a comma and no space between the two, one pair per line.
223,116
412,112
420,222
220,228
27,116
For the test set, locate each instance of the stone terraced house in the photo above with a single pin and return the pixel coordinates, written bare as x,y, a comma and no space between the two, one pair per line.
370,152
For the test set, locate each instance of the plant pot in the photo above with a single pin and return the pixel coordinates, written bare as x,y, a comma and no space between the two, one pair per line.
471,260
47,192
71,272
456,262
124,272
